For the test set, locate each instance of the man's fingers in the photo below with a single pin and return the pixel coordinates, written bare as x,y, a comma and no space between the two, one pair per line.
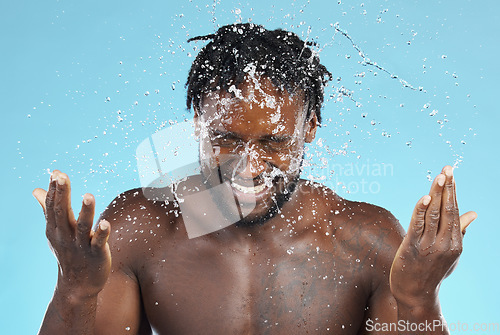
85,219
417,223
433,213
62,206
101,235
50,215
466,219
40,195
449,210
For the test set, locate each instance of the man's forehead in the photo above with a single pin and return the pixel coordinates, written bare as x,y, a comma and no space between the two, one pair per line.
255,87
254,93
273,111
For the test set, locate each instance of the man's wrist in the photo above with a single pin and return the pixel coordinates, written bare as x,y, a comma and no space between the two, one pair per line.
73,296
423,300
419,304
419,311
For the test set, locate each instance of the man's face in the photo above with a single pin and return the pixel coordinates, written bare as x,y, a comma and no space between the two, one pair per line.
254,140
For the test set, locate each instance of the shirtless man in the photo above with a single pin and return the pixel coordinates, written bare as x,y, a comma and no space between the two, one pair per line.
301,259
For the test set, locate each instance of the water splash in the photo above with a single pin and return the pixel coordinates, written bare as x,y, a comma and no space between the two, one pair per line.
368,62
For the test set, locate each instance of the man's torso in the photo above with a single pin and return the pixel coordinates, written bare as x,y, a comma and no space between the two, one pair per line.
311,269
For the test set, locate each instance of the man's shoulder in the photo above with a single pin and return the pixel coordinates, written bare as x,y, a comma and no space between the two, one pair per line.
366,223
141,201
362,236
139,225
142,210
369,216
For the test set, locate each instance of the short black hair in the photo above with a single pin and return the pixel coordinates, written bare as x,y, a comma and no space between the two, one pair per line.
277,54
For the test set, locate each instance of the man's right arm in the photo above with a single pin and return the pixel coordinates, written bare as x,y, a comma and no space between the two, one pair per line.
115,310
90,297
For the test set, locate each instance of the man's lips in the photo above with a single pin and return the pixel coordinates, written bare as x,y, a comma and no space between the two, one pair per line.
249,189
249,194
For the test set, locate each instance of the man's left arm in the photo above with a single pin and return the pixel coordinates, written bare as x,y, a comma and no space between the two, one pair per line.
427,255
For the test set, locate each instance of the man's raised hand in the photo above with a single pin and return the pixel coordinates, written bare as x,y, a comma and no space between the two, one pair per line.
82,254
431,248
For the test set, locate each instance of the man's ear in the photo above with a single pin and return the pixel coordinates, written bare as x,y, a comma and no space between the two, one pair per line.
196,121
311,127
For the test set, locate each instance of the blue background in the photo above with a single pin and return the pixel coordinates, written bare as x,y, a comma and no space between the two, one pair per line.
84,82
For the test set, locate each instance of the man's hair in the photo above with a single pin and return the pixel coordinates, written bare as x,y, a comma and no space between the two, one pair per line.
239,49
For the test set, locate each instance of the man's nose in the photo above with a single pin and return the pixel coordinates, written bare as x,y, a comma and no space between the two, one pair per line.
252,163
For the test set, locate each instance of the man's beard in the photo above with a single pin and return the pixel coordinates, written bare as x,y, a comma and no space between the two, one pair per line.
276,203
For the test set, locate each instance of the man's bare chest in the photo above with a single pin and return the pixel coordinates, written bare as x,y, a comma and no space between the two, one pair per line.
295,289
